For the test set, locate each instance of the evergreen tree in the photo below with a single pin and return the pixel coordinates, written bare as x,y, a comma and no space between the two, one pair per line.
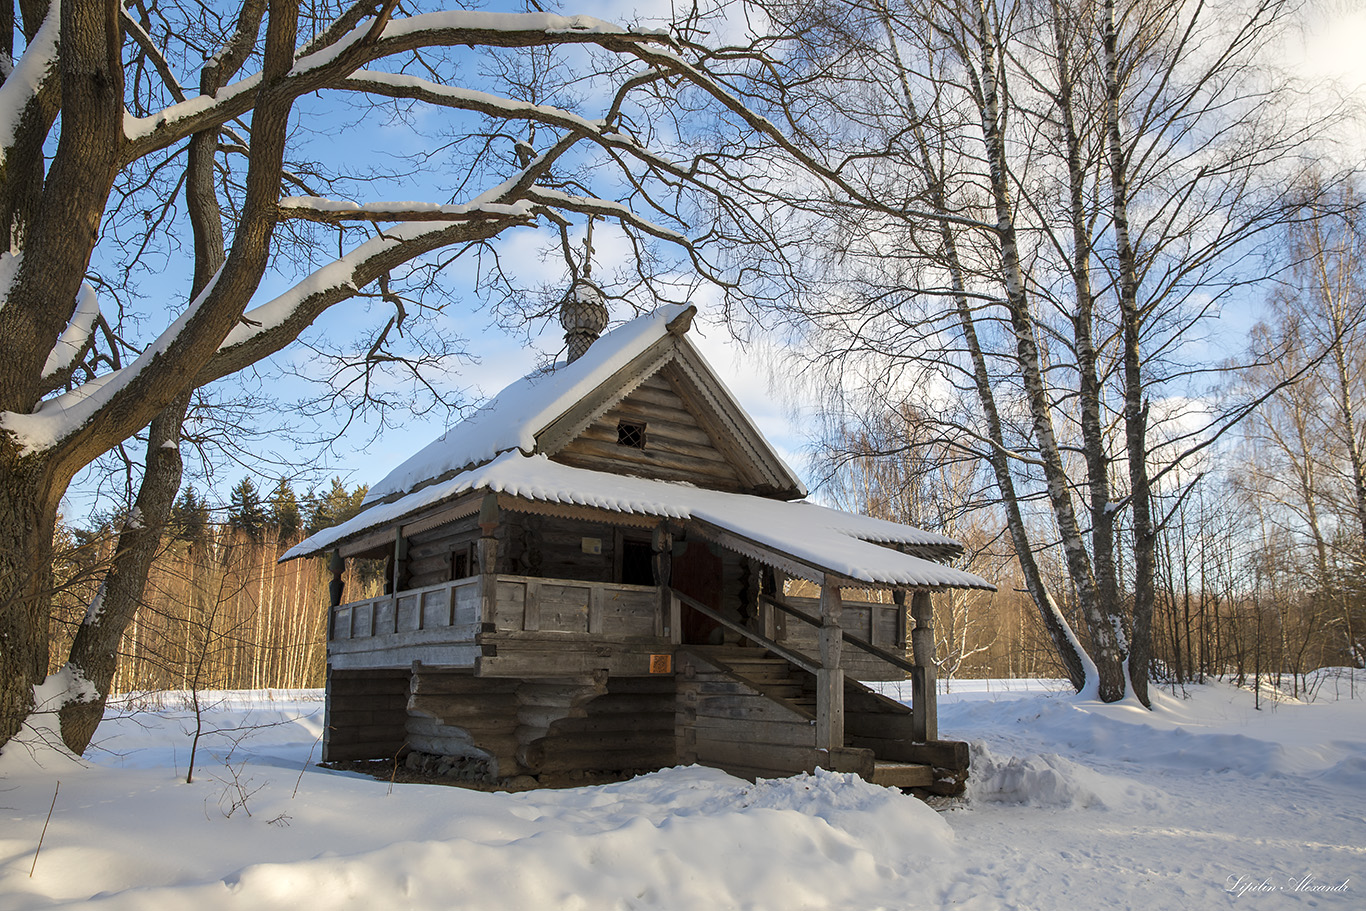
245,511
335,506
190,517
284,511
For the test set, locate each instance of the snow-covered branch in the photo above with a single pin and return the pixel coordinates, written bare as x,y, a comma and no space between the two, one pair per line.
72,343
329,66
31,74
337,211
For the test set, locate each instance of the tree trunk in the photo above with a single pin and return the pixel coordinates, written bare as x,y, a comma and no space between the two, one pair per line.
1059,632
1105,627
28,514
1135,409
94,653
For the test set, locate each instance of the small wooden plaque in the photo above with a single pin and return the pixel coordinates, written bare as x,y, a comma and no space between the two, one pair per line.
661,664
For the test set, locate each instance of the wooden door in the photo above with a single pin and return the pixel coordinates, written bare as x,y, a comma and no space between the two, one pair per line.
696,572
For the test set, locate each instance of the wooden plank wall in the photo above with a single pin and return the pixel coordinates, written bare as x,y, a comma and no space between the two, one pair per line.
886,727
454,713
365,714
437,625
727,724
677,446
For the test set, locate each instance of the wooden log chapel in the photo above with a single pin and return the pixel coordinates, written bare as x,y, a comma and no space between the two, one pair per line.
599,574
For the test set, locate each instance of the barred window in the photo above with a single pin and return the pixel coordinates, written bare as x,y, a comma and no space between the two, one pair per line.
631,434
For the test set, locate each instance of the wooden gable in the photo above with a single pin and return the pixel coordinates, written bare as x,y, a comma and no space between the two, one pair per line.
671,419
653,433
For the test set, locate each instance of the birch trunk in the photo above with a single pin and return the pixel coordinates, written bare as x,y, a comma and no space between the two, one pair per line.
1135,408
1106,633
1059,631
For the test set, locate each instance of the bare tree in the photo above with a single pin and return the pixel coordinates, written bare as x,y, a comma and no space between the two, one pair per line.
1040,205
99,137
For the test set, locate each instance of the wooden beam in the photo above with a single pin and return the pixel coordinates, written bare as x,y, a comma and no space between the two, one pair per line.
830,676
924,692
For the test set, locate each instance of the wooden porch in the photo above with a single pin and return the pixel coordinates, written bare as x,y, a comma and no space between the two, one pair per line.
766,704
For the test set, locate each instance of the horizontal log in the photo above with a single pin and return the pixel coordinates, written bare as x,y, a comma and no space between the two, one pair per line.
617,723
657,431
756,708
439,683
454,655
368,681
902,775
475,729
781,733
364,733
460,634
366,701
885,726
556,693
634,704
788,758
597,741
343,719
631,409
706,463
453,706
548,663
606,760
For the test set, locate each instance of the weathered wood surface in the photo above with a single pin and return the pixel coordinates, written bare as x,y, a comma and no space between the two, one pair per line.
364,714
881,625
677,446
730,722
440,625
544,726
902,775
830,676
924,692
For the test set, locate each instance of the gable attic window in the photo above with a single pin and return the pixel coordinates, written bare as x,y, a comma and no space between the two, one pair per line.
632,434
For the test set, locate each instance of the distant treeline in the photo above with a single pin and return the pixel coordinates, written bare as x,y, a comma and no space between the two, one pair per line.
219,611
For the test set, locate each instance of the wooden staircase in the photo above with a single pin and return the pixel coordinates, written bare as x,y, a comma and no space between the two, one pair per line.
872,722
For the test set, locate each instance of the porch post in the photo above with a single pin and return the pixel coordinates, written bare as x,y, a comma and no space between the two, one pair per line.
488,560
662,545
399,580
336,565
830,677
924,692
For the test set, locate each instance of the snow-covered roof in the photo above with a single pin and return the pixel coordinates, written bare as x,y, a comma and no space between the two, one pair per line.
819,537
512,418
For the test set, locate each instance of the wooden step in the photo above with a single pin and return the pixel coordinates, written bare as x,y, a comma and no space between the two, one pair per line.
901,774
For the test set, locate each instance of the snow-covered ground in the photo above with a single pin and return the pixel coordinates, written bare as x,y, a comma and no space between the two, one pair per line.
1205,802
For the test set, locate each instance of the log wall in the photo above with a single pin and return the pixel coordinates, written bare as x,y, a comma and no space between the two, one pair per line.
364,714
554,730
677,445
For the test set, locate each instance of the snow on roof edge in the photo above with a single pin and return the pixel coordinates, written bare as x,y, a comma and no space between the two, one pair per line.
513,417
824,538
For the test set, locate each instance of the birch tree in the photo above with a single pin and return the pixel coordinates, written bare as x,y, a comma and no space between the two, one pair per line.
101,132
1052,197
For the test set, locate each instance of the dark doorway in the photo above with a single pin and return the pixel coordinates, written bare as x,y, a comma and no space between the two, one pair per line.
697,574
637,563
